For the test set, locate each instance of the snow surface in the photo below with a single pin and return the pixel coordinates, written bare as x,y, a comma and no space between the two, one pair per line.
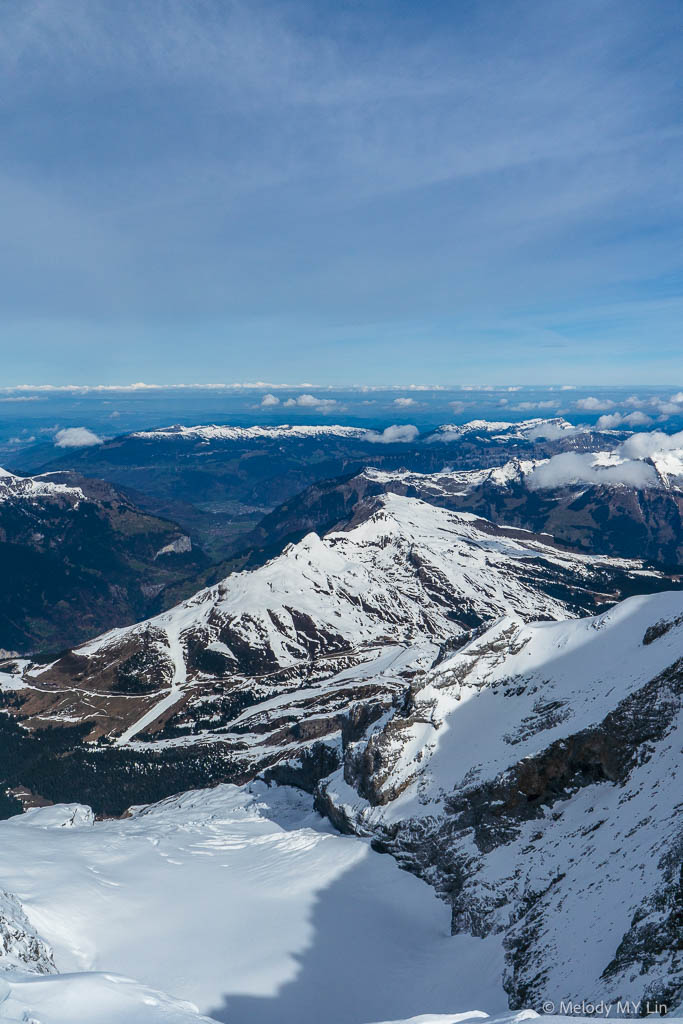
243,902
584,666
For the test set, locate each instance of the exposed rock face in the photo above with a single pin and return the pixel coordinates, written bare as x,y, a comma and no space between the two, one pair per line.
21,948
526,769
531,779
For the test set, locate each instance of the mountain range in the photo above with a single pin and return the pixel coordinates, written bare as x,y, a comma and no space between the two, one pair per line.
448,668
219,481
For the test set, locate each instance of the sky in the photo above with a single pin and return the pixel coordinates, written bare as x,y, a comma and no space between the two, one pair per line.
394,191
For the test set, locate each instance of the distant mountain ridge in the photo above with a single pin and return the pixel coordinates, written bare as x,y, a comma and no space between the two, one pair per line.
219,481
597,502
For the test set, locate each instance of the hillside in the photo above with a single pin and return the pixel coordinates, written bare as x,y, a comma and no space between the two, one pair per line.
79,557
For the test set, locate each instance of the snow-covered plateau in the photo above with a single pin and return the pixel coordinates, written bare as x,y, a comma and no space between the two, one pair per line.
235,905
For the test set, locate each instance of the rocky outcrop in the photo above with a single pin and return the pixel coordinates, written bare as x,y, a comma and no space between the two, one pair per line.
21,948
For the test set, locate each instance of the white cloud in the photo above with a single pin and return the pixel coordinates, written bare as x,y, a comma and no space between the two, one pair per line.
678,397
612,420
586,468
643,445
270,400
609,421
76,437
667,409
457,407
628,464
312,402
403,402
568,387
392,435
638,419
594,404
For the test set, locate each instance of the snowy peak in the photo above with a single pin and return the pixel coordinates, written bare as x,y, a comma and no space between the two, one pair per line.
552,429
214,432
408,577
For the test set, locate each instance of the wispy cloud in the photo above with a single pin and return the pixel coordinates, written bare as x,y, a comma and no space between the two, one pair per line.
21,398
627,464
235,182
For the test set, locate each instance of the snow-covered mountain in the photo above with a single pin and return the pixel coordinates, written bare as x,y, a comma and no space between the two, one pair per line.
538,429
626,501
217,480
214,432
358,610
421,674
529,778
532,780
553,429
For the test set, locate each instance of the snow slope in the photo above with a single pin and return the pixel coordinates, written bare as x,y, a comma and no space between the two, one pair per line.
245,903
533,780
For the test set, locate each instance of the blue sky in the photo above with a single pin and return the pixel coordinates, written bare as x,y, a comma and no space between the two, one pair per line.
348,192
